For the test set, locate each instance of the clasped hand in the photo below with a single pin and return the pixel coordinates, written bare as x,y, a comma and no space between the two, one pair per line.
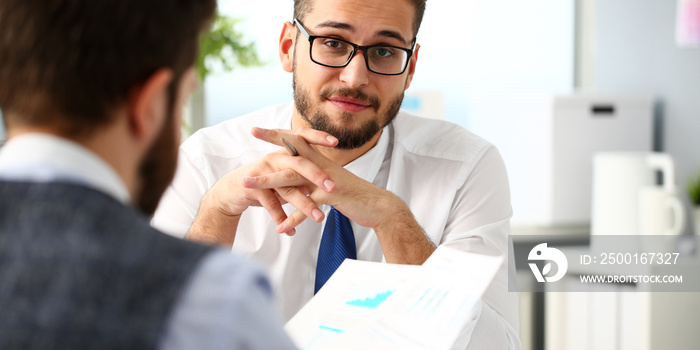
305,181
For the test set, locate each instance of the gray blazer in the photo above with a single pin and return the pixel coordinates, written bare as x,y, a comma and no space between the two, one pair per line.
77,271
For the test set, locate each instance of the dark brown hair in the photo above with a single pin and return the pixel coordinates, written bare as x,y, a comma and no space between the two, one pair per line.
70,63
302,7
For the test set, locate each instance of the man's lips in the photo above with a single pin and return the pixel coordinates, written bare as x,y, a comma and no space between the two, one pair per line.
349,104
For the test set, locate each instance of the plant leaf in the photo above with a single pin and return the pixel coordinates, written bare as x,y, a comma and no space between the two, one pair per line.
223,48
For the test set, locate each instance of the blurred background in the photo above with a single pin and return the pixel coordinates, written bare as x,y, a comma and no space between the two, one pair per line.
550,83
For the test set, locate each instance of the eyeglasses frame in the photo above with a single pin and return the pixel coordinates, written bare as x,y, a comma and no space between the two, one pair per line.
355,47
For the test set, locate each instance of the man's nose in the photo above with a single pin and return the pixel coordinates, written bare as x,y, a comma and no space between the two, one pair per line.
356,74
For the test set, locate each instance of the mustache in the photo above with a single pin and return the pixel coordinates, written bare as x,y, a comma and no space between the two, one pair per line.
358,94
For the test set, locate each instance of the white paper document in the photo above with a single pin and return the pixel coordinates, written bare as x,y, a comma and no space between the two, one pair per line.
370,305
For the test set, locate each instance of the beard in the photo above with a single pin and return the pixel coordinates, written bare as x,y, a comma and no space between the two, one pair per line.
157,168
347,138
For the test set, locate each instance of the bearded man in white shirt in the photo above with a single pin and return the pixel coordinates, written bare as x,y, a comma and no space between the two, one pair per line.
407,184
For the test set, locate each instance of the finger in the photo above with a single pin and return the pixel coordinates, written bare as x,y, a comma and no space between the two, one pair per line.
274,136
298,171
293,220
312,136
285,138
316,137
272,204
304,190
301,202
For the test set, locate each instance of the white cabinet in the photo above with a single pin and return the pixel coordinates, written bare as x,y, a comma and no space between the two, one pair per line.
548,142
620,317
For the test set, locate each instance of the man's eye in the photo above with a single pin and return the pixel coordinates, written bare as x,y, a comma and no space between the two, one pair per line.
334,44
384,52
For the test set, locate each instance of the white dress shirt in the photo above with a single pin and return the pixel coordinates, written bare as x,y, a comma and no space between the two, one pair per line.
454,182
217,309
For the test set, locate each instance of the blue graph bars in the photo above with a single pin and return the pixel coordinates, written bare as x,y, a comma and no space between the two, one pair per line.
372,302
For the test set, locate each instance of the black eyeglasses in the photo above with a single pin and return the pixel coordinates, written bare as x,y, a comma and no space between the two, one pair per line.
337,53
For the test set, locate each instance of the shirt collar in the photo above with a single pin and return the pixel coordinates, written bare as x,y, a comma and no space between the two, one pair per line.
45,158
367,165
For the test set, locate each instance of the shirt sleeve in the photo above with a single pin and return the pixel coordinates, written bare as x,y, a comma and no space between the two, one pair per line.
227,304
480,223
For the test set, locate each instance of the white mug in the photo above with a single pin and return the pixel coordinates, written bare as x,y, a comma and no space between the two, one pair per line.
618,178
660,212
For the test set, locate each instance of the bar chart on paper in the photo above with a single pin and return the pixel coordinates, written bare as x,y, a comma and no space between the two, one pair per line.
368,297
367,305
357,304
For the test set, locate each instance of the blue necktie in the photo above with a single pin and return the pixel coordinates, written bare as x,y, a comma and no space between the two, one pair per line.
337,243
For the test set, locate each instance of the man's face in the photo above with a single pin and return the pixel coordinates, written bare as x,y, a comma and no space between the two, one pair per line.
157,169
352,103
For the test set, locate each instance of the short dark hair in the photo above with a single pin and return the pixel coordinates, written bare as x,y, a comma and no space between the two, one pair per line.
302,7
70,63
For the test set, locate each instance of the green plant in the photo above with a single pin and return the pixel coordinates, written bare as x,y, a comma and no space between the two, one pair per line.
694,190
223,46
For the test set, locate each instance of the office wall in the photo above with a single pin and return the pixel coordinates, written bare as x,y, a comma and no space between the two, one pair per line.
636,52
472,47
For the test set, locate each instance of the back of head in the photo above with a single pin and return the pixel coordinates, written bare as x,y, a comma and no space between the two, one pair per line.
67,64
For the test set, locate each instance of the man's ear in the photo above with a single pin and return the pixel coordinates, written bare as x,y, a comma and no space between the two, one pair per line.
148,104
287,39
412,67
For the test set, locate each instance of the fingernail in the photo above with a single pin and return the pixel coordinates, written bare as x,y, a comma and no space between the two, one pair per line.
329,184
282,227
291,232
317,214
331,139
249,180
